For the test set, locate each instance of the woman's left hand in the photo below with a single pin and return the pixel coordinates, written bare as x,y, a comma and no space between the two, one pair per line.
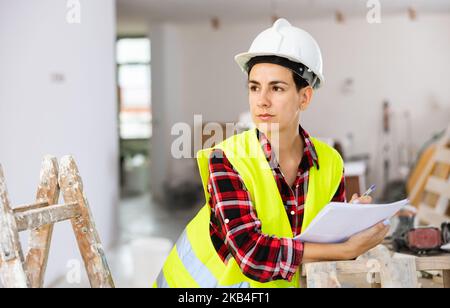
361,200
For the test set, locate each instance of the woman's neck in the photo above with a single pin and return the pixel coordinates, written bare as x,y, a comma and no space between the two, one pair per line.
286,143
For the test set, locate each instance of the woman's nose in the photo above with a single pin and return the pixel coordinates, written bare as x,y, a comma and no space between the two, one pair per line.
264,99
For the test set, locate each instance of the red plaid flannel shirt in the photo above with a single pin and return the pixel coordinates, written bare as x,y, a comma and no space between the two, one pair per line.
235,228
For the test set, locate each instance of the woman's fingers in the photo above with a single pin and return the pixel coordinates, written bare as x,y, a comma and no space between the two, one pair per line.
377,232
354,197
361,200
380,231
365,199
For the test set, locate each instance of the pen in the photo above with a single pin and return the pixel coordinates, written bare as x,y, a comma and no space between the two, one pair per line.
368,192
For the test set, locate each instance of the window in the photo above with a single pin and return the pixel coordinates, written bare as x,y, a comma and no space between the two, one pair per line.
134,81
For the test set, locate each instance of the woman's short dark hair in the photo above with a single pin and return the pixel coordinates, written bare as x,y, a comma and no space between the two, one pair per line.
300,83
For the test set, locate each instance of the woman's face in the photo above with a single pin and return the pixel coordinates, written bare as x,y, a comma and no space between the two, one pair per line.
274,98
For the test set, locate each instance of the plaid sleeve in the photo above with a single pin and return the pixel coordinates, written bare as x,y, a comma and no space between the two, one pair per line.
339,196
261,257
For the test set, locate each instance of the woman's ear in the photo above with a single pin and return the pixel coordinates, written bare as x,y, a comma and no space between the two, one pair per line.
306,95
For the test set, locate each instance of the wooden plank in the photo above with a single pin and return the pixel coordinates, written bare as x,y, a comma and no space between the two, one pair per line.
422,264
346,267
421,180
12,273
438,186
446,276
40,239
433,263
428,216
429,198
86,234
417,180
398,273
373,260
28,207
366,264
442,206
441,170
39,218
443,156
322,275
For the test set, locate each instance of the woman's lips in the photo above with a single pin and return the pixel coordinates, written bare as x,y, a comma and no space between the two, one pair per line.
265,117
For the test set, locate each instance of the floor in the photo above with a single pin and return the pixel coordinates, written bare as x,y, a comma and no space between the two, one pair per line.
148,232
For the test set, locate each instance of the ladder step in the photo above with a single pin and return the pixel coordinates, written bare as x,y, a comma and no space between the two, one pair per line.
28,207
37,218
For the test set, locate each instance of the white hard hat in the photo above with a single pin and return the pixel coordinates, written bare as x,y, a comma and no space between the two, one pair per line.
284,40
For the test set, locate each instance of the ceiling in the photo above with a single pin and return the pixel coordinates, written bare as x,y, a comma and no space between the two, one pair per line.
244,10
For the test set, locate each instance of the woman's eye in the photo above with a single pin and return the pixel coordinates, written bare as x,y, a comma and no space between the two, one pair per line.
253,88
278,89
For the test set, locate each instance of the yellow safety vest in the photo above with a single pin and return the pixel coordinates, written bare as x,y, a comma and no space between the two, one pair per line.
194,262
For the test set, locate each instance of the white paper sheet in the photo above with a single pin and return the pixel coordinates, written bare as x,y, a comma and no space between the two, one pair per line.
337,222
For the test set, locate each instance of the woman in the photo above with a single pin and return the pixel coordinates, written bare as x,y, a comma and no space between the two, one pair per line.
264,186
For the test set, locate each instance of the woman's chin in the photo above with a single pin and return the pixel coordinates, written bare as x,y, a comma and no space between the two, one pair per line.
268,125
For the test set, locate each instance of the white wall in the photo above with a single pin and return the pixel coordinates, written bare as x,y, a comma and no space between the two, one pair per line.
77,116
402,61
167,103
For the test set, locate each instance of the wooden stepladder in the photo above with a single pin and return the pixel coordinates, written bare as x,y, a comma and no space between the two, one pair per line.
431,192
17,271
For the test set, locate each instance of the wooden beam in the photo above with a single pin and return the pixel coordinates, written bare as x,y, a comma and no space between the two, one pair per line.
86,234
398,271
360,267
433,263
28,207
12,273
429,216
446,276
438,186
344,267
35,219
322,275
40,239
443,156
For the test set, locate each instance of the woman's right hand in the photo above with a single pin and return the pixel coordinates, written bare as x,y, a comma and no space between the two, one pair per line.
366,240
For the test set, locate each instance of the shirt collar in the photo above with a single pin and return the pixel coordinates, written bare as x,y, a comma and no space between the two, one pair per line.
309,152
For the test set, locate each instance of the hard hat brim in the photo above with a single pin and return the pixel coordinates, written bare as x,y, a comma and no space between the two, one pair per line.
243,58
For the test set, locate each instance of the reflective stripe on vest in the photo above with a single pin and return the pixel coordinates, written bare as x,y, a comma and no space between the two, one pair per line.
195,267
161,281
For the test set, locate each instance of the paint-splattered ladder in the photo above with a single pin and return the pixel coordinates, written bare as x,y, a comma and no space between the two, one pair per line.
17,271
